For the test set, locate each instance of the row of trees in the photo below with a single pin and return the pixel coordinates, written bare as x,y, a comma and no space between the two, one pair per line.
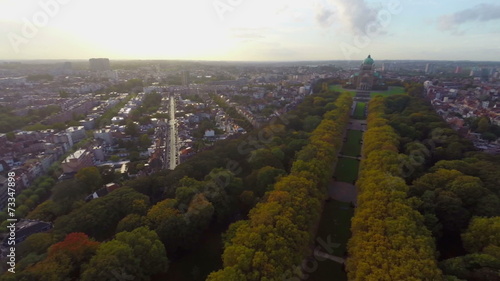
389,240
276,236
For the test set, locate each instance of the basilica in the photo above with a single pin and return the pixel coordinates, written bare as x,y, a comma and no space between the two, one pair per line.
366,78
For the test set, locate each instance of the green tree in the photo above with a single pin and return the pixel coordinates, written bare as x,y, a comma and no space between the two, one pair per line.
131,128
482,232
483,125
90,177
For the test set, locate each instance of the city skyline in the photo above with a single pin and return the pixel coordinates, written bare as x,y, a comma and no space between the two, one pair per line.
238,30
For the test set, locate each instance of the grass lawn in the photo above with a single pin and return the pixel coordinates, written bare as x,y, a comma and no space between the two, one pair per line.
347,170
338,88
359,111
352,147
393,90
334,227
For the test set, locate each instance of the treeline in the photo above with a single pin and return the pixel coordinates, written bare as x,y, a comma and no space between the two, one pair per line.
389,240
9,121
275,238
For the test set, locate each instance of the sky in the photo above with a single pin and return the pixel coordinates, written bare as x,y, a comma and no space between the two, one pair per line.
250,30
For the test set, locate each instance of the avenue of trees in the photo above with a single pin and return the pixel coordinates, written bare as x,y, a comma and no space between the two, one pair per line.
423,184
389,240
275,238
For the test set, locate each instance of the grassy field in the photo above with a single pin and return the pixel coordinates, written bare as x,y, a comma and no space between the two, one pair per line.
338,88
359,111
335,227
352,147
347,170
390,92
393,90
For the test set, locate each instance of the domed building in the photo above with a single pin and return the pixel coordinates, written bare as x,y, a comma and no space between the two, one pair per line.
366,78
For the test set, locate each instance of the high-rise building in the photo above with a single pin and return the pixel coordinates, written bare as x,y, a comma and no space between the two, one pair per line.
429,68
185,78
99,64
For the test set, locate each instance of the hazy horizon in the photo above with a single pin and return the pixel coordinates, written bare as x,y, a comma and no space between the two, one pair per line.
250,31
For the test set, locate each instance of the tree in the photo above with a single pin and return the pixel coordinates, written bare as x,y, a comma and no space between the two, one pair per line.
65,259
147,247
488,136
131,222
113,259
311,122
137,254
98,218
482,232
265,177
483,125
37,243
144,141
90,178
47,211
131,128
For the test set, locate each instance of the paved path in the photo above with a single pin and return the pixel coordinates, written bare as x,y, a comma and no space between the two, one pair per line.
342,191
359,125
347,156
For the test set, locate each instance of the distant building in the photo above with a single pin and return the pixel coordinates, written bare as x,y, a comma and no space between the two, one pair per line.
366,78
88,123
102,191
185,78
98,153
430,68
77,133
76,161
104,134
99,64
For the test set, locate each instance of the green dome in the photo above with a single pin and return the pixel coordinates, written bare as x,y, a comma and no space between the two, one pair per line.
368,60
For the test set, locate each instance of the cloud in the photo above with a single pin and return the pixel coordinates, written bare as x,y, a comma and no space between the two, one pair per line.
354,15
324,16
482,12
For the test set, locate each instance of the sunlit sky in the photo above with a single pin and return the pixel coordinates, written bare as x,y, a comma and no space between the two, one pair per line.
250,30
